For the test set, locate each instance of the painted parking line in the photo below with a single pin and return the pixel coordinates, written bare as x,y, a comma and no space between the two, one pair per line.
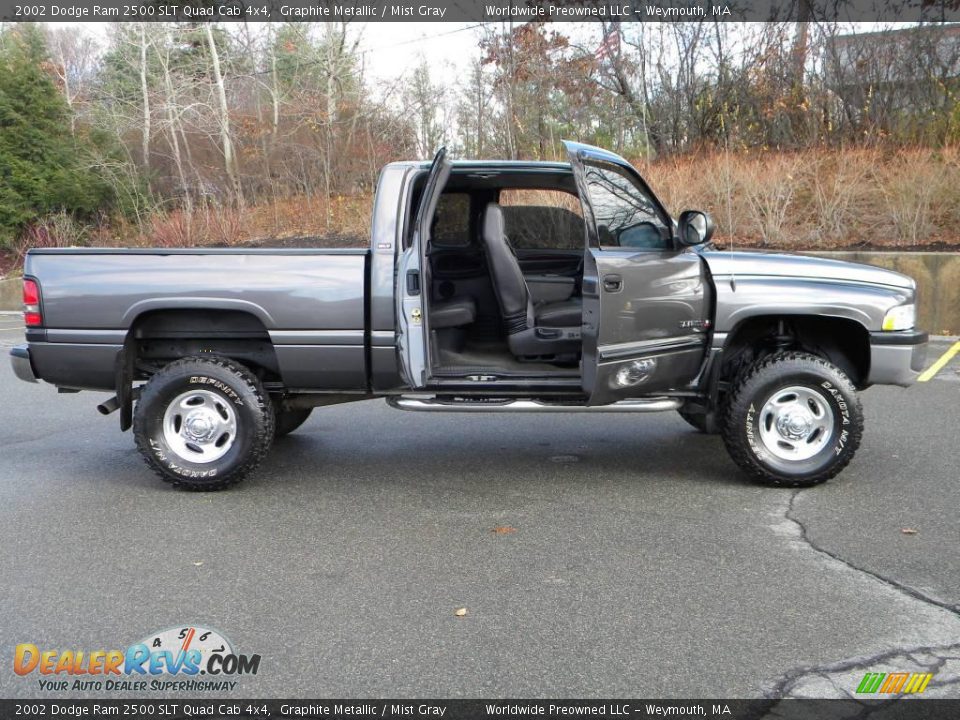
931,371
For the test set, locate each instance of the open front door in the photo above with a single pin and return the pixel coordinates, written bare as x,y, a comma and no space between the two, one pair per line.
412,329
645,298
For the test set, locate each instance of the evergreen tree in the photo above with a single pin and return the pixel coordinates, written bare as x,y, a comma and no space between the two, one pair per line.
43,168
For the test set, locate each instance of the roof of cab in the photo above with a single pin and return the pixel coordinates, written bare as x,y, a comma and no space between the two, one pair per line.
491,165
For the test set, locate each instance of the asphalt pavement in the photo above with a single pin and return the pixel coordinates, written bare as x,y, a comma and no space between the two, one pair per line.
596,556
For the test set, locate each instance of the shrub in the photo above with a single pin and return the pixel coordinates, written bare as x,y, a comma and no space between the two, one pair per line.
55,231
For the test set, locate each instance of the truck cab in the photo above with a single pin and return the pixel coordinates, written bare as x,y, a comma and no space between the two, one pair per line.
567,279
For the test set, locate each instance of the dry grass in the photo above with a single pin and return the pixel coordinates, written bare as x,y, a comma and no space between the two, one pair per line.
821,199
322,222
817,199
56,231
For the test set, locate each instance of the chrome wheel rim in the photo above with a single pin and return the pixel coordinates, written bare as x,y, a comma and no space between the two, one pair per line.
796,423
200,426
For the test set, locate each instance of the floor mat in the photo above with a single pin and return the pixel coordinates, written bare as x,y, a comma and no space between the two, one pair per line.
495,360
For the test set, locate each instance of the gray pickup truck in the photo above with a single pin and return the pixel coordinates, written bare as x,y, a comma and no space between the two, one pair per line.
487,287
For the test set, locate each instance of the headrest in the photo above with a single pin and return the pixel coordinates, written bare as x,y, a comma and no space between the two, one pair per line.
493,222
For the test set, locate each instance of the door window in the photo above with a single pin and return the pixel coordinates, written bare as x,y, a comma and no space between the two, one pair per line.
452,220
626,216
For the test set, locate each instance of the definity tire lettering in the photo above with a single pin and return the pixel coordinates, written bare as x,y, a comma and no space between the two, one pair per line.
219,385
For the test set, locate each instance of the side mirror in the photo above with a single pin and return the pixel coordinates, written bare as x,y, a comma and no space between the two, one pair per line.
695,227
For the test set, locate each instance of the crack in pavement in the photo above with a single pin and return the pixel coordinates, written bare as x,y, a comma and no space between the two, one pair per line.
905,589
792,678
937,656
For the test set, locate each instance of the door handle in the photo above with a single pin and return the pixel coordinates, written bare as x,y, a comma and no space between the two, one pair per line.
413,282
612,283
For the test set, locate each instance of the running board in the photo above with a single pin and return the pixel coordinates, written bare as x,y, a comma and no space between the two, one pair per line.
429,404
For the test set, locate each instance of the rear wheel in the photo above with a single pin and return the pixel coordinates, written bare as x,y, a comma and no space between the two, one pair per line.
793,420
203,423
289,420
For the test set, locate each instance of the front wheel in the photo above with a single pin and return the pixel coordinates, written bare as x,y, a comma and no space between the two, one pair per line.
203,423
793,420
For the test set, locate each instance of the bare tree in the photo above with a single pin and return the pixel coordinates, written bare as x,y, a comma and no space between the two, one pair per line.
75,55
174,125
226,139
145,95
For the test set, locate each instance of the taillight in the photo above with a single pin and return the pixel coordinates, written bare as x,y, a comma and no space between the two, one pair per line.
31,304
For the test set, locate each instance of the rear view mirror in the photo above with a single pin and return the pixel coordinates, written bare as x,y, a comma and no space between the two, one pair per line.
695,227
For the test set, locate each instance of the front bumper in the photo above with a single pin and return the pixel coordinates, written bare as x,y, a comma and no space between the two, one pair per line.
897,358
22,366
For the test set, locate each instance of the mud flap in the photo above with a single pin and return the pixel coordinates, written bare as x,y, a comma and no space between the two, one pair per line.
124,382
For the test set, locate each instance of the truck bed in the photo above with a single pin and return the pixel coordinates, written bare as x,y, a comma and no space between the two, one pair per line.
310,301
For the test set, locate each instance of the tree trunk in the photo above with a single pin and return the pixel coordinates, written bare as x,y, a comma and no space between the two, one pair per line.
145,137
64,74
229,158
173,122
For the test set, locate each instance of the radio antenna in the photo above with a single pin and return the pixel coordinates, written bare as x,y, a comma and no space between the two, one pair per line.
728,179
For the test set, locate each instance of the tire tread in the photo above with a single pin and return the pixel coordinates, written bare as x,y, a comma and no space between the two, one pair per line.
258,452
739,450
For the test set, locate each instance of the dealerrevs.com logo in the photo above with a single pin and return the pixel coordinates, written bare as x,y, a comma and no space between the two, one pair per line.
188,658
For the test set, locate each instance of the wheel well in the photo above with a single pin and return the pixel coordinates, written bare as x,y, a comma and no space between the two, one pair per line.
843,342
161,336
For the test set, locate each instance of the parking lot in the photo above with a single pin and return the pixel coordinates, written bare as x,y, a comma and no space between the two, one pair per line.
596,556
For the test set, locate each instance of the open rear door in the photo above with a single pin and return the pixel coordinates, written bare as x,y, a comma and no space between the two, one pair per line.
645,298
412,329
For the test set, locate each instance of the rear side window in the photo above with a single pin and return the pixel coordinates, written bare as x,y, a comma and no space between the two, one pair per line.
542,219
452,221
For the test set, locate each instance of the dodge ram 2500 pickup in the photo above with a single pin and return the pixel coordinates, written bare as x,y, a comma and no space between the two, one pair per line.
487,287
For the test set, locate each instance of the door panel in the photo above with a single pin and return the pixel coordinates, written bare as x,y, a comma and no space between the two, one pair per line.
457,263
651,310
645,310
546,262
412,328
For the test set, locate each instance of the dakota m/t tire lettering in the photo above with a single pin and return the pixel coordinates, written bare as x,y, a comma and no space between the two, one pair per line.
793,420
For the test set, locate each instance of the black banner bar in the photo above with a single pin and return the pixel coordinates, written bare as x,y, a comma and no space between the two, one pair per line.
913,708
478,10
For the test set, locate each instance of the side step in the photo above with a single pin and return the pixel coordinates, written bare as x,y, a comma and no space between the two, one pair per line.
432,404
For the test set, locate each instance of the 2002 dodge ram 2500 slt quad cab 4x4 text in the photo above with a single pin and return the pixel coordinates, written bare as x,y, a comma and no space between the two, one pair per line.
488,287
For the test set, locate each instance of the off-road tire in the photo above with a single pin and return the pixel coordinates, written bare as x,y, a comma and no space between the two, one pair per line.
232,382
286,421
741,421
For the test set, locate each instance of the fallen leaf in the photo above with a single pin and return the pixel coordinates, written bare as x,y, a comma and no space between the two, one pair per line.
908,531
460,612
504,530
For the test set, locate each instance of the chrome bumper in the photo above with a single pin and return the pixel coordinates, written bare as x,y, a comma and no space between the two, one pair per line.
897,358
22,367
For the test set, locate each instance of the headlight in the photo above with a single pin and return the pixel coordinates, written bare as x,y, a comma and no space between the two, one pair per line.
902,317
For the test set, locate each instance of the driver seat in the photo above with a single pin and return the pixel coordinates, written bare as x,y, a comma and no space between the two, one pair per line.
549,329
